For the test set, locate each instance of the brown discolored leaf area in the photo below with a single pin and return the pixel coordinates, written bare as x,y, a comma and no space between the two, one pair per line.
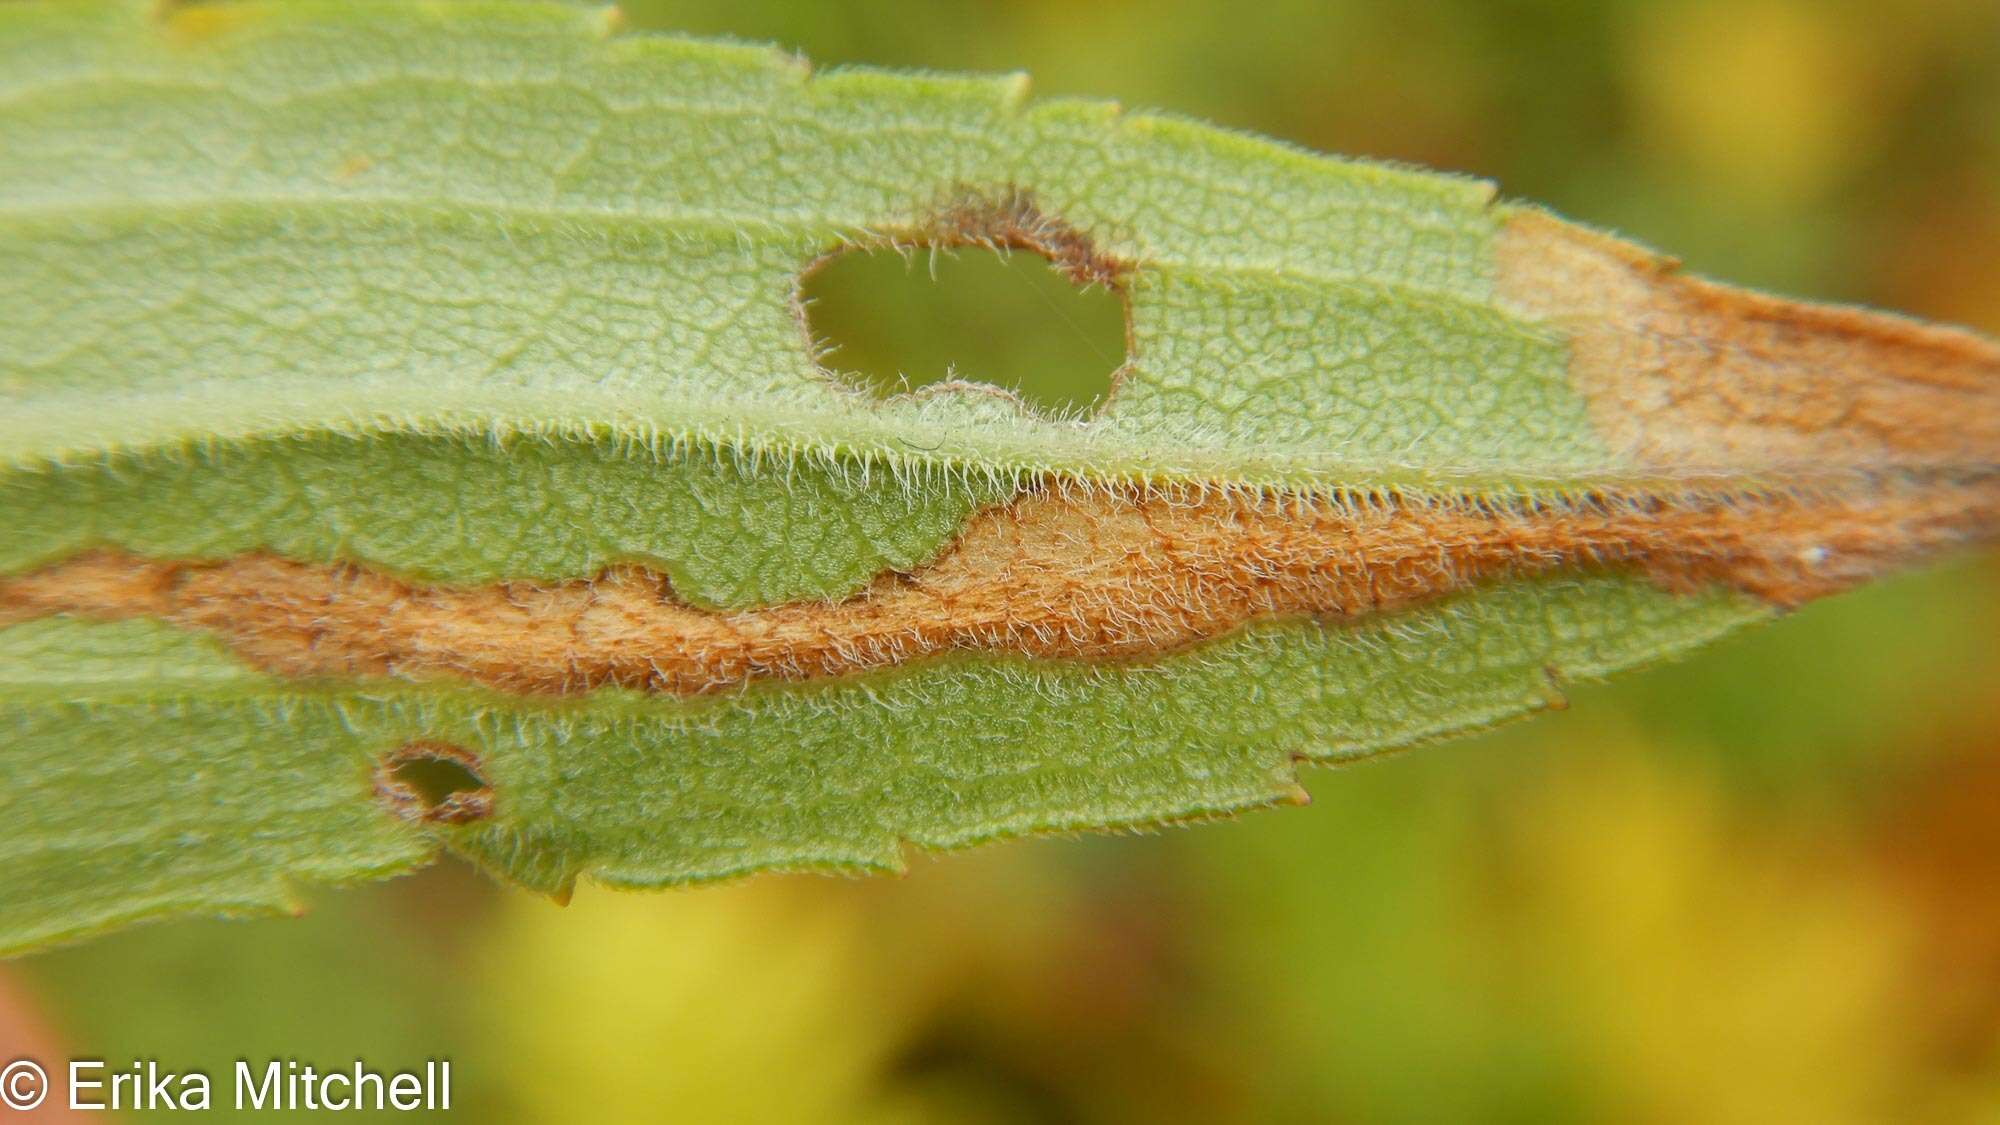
1696,378
1101,573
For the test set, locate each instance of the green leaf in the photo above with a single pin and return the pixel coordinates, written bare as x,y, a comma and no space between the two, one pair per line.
397,382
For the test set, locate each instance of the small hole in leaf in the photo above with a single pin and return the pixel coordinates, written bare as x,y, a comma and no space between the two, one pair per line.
895,322
434,782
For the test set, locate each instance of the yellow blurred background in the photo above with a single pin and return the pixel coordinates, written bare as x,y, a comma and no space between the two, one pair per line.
1761,885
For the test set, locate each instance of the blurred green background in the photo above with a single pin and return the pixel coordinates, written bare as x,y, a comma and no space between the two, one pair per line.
1760,885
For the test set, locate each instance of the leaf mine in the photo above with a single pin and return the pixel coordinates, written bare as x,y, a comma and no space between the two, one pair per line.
1697,379
1057,573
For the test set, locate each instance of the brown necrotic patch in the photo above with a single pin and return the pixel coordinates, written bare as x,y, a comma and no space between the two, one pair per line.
1103,573
434,782
1685,375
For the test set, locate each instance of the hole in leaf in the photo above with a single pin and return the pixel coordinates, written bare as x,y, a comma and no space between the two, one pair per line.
434,782
894,322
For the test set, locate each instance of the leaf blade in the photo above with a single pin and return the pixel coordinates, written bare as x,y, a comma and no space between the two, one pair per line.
482,297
